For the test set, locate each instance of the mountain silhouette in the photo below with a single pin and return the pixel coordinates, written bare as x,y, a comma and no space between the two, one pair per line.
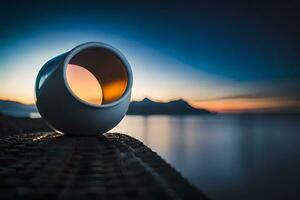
178,107
144,107
16,109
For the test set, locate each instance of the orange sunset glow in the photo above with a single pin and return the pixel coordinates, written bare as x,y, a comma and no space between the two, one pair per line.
114,90
242,105
84,84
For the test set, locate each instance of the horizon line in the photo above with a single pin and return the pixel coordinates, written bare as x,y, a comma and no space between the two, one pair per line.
225,106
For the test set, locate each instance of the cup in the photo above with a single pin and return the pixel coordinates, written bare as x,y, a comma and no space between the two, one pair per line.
64,109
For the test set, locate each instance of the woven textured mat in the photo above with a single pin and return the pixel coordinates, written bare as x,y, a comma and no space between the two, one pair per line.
116,166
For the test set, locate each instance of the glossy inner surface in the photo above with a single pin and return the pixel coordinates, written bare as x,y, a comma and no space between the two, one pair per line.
97,76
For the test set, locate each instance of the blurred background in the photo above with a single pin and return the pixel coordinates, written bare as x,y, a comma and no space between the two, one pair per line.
229,71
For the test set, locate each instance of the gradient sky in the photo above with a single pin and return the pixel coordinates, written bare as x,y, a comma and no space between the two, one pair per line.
227,57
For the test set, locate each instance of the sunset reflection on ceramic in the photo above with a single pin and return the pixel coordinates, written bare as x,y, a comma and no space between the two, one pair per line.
114,90
84,84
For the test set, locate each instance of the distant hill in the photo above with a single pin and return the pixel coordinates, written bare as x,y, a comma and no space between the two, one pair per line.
144,107
16,109
16,125
178,107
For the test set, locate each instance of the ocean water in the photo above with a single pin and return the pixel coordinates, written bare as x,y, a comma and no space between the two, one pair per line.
227,156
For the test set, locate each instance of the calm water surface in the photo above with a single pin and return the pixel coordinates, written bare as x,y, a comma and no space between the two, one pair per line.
227,156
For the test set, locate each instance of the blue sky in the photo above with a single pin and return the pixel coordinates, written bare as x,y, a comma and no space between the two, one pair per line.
193,50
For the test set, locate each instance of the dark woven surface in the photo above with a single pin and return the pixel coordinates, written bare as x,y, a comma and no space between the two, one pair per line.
52,166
